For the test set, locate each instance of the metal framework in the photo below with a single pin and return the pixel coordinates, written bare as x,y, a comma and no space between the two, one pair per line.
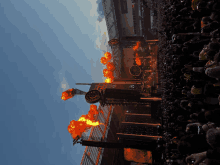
93,155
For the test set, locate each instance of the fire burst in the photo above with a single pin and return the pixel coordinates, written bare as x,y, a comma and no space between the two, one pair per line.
137,45
67,94
110,66
109,80
108,56
104,60
76,128
108,74
137,59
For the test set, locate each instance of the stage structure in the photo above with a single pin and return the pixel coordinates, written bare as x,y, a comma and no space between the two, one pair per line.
111,96
93,154
102,93
107,94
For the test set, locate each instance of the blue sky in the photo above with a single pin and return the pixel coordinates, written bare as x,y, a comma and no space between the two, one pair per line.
46,47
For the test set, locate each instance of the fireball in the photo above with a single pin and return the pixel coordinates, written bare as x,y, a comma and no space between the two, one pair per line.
138,61
108,56
104,60
109,80
110,66
105,72
93,111
137,45
108,73
67,94
76,128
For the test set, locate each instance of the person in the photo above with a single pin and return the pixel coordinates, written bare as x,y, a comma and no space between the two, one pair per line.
215,16
213,116
208,126
213,72
191,143
212,155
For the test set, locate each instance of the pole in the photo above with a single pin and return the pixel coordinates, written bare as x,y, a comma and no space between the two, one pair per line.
152,98
126,82
83,84
127,144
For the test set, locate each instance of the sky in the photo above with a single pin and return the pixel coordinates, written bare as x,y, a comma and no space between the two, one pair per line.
46,47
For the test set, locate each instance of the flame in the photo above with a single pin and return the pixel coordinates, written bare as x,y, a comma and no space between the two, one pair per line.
105,72
109,80
137,45
110,66
109,74
108,56
76,128
101,111
67,94
138,61
104,60
88,122
92,112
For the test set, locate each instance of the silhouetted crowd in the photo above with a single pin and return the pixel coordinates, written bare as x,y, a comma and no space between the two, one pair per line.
189,66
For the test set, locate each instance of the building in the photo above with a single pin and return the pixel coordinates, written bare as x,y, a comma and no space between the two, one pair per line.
123,17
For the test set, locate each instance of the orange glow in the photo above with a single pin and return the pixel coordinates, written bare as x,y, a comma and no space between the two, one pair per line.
109,80
137,45
88,122
105,72
108,73
110,66
108,56
93,111
104,60
138,61
67,94
101,111
136,155
94,107
76,128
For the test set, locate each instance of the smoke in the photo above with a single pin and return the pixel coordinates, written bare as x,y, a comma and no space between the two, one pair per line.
64,84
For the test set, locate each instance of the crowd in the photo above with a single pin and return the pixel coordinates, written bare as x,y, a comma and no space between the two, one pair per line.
189,65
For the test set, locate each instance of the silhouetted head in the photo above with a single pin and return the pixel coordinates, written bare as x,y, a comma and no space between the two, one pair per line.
214,46
201,5
184,103
196,53
213,137
210,54
185,49
206,19
184,147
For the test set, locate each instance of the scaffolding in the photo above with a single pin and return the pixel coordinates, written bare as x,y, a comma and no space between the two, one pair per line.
93,155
